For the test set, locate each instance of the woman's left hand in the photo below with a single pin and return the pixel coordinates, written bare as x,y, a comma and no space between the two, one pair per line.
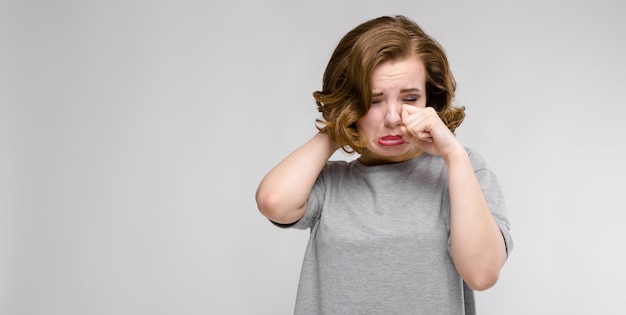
428,132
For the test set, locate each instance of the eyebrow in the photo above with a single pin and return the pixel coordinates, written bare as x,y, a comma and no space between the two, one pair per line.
401,91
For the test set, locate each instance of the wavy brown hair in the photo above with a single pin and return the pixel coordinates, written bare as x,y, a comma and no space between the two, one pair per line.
346,93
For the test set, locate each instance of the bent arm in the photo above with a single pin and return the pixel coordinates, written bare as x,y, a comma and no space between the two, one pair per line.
283,193
477,245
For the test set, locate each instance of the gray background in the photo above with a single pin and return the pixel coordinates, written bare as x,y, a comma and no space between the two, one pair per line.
133,135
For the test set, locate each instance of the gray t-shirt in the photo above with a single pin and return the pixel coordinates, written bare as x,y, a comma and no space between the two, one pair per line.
379,239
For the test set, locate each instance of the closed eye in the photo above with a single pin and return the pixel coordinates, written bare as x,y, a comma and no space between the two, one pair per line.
411,99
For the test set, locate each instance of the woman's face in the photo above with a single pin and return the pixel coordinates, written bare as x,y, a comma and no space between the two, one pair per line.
394,83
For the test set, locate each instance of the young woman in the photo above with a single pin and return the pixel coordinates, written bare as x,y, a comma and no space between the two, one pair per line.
418,221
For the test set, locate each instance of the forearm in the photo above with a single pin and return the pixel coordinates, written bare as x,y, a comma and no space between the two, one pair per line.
283,193
477,245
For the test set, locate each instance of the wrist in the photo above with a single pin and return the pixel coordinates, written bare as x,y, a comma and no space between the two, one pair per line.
456,154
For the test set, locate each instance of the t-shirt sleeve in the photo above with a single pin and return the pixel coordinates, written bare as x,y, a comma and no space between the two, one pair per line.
314,206
493,195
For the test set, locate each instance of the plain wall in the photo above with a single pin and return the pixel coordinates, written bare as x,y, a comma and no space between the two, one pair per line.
133,135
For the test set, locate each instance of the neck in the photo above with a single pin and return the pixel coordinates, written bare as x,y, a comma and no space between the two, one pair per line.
367,158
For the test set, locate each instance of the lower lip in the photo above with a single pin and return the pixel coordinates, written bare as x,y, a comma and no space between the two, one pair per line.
390,141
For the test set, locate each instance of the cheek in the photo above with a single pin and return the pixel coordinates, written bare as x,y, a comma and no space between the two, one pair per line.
366,123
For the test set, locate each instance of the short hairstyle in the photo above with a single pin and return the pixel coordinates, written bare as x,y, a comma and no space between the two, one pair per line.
346,93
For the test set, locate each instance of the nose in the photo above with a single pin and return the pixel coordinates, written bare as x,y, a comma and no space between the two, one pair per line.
393,115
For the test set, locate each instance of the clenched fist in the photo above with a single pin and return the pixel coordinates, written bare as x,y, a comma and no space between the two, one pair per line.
428,131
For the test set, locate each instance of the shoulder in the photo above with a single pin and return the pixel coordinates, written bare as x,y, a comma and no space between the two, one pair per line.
477,160
337,166
333,169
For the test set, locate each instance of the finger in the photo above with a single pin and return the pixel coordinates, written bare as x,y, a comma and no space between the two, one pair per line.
410,109
409,113
425,136
405,113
